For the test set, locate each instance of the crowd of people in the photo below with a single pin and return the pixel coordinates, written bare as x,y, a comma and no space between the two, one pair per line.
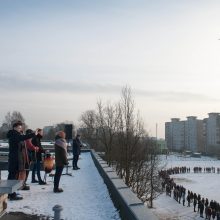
26,149
206,170
209,210
184,169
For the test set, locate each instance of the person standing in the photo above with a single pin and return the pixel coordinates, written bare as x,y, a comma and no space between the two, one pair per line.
16,156
213,213
209,213
201,209
195,201
206,208
31,150
36,141
60,159
218,212
76,146
184,196
188,199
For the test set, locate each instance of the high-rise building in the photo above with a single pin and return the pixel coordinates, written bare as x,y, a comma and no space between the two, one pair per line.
185,135
174,133
194,139
213,130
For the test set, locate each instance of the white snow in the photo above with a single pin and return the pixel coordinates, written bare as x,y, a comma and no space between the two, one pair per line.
3,144
85,195
206,184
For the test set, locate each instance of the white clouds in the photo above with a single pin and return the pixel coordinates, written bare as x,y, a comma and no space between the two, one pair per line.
20,83
167,51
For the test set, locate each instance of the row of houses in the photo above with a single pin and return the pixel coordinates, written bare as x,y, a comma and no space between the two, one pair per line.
196,135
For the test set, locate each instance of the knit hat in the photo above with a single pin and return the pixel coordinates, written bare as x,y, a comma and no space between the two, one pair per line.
61,134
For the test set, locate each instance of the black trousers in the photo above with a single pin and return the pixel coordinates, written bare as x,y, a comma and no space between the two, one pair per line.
12,175
75,160
36,168
58,173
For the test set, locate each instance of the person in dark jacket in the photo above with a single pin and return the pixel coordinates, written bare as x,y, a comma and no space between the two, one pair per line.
16,157
76,145
188,199
60,159
195,199
213,213
201,208
209,212
31,150
36,141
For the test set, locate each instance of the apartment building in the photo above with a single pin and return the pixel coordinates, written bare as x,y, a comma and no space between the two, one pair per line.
213,130
185,135
174,134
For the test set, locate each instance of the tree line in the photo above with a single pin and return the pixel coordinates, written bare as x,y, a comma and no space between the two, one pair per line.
11,117
118,131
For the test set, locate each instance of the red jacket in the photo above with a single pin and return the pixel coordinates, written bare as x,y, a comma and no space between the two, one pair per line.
30,146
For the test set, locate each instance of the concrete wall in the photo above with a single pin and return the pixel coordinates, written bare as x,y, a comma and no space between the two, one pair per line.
131,208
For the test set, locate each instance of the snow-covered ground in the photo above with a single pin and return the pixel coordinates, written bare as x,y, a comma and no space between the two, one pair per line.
3,144
85,195
206,184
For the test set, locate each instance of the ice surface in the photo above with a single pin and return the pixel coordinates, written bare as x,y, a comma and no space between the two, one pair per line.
206,184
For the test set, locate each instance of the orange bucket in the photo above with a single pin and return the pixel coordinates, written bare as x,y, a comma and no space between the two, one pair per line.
48,164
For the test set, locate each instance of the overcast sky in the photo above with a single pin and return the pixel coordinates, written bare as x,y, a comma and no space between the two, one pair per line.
57,58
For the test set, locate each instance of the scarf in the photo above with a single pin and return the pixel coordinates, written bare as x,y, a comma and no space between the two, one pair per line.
61,143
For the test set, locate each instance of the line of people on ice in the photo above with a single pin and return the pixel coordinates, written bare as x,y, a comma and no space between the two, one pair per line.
177,170
26,149
184,169
210,209
205,170
210,170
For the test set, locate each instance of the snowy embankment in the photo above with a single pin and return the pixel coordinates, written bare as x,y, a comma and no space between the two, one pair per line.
205,184
85,195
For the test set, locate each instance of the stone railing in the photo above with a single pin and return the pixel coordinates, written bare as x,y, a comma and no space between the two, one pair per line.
131,208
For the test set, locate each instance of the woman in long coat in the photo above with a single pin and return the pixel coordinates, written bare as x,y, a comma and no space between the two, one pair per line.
17,155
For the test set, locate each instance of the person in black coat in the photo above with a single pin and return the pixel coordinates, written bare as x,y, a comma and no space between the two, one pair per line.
76,146
188,199
60,159
36,141
201,208
16,163
195,199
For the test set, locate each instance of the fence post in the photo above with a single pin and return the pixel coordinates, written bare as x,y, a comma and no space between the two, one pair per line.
57,211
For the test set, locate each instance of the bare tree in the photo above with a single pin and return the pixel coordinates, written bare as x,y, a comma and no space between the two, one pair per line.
88,127
153,164
120,130
11,118
107,117
130,132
